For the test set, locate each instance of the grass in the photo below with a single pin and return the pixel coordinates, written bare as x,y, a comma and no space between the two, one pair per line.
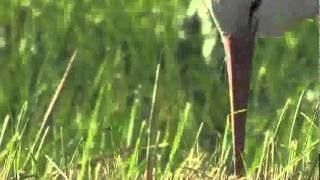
197,163
146,85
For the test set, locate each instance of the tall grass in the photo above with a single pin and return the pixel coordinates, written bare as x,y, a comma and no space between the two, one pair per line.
94,123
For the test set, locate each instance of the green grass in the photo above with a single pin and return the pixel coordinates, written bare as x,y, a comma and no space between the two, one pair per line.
146,61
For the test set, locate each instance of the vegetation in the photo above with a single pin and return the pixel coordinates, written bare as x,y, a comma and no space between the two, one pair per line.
81,81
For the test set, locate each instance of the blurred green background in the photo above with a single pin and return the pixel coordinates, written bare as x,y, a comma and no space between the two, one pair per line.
119,44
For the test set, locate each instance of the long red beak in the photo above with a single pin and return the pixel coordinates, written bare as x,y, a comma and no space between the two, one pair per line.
239,52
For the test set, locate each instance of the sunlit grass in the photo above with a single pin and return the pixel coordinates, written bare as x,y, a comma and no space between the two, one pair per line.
93,123
127,163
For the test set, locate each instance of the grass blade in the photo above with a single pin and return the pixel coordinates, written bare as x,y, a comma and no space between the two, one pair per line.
177,138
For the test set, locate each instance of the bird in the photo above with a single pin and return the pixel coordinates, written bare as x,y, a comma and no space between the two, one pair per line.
240,22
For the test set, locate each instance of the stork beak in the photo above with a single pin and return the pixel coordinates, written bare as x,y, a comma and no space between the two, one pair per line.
239,52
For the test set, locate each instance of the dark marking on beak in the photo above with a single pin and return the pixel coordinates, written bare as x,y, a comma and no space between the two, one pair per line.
253,25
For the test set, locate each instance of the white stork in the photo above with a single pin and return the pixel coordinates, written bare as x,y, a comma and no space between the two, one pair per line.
239,21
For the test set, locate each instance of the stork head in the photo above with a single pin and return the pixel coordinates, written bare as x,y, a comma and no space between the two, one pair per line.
237,21
235,17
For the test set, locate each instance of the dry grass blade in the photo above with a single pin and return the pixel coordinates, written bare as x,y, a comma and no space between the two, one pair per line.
56,166
151,127
52,103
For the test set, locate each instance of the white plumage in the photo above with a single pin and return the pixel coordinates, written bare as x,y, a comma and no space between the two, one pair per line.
273,16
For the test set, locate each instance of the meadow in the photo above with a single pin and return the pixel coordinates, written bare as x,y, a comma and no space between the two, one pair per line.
109,89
